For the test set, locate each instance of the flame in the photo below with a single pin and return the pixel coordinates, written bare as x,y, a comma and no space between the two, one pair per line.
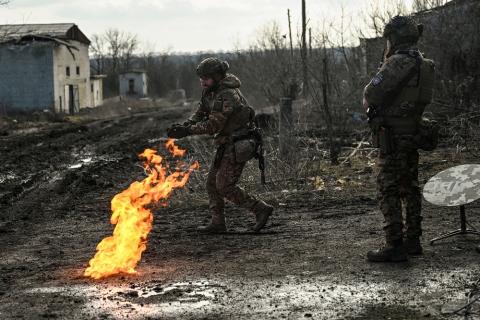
132,218
174,150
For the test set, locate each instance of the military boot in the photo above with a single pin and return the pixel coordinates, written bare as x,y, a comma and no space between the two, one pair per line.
216,225
262,212
391,252
413,246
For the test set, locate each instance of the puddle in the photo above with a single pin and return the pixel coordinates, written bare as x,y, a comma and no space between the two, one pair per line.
139,301
323,297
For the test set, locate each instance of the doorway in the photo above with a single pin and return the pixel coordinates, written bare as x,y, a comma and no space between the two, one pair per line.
72,99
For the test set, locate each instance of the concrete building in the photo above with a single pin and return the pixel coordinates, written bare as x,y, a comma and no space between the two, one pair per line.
133,84
96,90
46,66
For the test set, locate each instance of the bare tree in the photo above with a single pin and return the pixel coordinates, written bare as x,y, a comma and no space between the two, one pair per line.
121,47
113,52
129,47
269,65
99,51
379,13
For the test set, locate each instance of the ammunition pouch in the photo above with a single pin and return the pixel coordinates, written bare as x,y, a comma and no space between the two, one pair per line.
422,132
245,144
248,144
244,150
392,133
427,135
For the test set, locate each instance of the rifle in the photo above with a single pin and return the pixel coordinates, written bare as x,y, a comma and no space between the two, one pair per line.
260,153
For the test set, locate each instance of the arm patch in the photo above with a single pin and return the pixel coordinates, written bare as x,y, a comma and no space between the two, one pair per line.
377,79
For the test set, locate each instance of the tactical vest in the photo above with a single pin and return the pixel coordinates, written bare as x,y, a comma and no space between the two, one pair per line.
405,113
241,118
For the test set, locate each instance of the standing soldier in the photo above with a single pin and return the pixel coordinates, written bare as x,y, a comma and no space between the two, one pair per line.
395,99
225,113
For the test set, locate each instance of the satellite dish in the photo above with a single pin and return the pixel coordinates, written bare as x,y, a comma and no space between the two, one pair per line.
455,186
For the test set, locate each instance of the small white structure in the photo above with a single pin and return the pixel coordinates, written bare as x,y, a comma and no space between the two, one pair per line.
133,83
96,90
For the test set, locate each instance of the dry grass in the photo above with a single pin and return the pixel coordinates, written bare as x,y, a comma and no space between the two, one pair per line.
306,170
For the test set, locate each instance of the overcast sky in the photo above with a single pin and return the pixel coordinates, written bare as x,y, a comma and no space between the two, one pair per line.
180,25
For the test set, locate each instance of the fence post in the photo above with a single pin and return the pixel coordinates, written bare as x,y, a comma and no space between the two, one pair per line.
286,141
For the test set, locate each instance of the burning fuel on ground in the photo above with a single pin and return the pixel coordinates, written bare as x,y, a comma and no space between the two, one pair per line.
132,213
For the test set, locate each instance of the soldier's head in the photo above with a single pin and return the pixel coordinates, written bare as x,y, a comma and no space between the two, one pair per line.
401,30
211,71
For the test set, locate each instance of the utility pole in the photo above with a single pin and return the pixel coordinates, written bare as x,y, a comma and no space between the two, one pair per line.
286,143
290,34
334,149
310,41
304,49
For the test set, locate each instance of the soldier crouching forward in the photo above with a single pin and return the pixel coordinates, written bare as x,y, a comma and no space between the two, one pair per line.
396,98
225,113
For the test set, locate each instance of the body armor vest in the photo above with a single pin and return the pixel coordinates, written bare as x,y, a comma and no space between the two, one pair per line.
242,116
405,112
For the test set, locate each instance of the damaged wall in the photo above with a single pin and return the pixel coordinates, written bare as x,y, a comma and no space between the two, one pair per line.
74,80
45,66
32,61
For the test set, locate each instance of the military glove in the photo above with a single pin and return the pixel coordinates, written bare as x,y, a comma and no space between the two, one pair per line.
178,131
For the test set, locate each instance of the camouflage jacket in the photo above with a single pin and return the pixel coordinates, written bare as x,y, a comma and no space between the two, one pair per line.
222,111
383,85
402,87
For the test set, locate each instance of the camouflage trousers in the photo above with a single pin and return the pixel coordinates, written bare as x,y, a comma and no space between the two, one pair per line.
397,183
222,183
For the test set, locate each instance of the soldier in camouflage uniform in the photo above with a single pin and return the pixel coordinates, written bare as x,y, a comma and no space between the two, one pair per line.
225,113
396,98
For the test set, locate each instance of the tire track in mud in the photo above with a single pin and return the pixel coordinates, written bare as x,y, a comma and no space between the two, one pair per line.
48,167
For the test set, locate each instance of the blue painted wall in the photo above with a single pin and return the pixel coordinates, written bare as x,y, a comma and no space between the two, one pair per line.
26,76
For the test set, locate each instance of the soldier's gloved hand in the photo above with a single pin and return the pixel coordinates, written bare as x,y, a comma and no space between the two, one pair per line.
177,131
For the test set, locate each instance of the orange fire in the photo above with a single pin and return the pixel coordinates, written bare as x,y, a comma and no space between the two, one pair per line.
174,150
132,218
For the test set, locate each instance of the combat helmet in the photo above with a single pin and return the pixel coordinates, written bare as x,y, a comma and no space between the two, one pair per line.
402,29
212,67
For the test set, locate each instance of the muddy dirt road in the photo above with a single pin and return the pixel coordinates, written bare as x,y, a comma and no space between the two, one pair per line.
56,184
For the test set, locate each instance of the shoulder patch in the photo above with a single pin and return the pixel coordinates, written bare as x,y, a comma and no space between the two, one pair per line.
377,79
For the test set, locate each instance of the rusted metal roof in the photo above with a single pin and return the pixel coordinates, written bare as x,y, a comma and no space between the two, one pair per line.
60,31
